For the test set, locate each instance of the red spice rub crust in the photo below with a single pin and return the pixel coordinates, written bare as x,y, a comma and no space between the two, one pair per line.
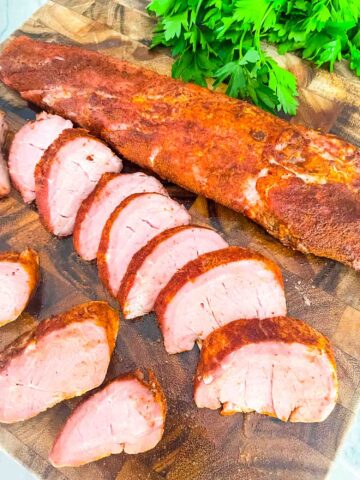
204,263
291,180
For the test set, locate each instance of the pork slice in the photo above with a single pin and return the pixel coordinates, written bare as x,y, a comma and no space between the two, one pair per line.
276,366
126,415
63,357
138,219
111,190
154,265
19,276
214,289
66,174
27,147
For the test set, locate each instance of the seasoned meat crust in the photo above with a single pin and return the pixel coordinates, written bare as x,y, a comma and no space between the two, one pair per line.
300,185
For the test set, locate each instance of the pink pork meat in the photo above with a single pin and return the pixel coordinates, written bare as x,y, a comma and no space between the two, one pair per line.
126,415
66,174
154,265
27,147
214,289
19,277
63,357
276,366
111,190
138,219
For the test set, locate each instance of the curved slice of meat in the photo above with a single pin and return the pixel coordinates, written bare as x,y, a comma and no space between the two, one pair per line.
215,289
154,265
138,219
277,366
19,276
111,190
128,414
66,174
63,357
27,147
4,173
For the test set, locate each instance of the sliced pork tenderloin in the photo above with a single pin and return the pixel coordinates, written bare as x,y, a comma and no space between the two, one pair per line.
276,366
19,277
27,147
63,357
138,219
4,172
214,289
111,190
154,265
128,414
66,174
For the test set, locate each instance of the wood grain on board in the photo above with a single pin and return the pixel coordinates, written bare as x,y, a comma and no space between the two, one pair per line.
197,444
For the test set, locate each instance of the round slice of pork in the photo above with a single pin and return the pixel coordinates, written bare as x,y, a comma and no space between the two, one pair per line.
276,366
215,289
27,147
63,357
126,415
4,172
154,265
19,276
111,190
66,174
138,219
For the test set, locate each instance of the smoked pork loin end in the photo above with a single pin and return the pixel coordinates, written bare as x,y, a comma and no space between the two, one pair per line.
277,366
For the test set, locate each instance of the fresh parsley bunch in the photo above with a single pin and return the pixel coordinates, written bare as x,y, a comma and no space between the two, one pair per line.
221,40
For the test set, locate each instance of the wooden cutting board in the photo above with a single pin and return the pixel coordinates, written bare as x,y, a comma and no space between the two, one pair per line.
197,444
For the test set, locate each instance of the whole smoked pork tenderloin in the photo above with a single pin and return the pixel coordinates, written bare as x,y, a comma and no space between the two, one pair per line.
214,289
19,277
276,366
128,414
63,357
301,185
